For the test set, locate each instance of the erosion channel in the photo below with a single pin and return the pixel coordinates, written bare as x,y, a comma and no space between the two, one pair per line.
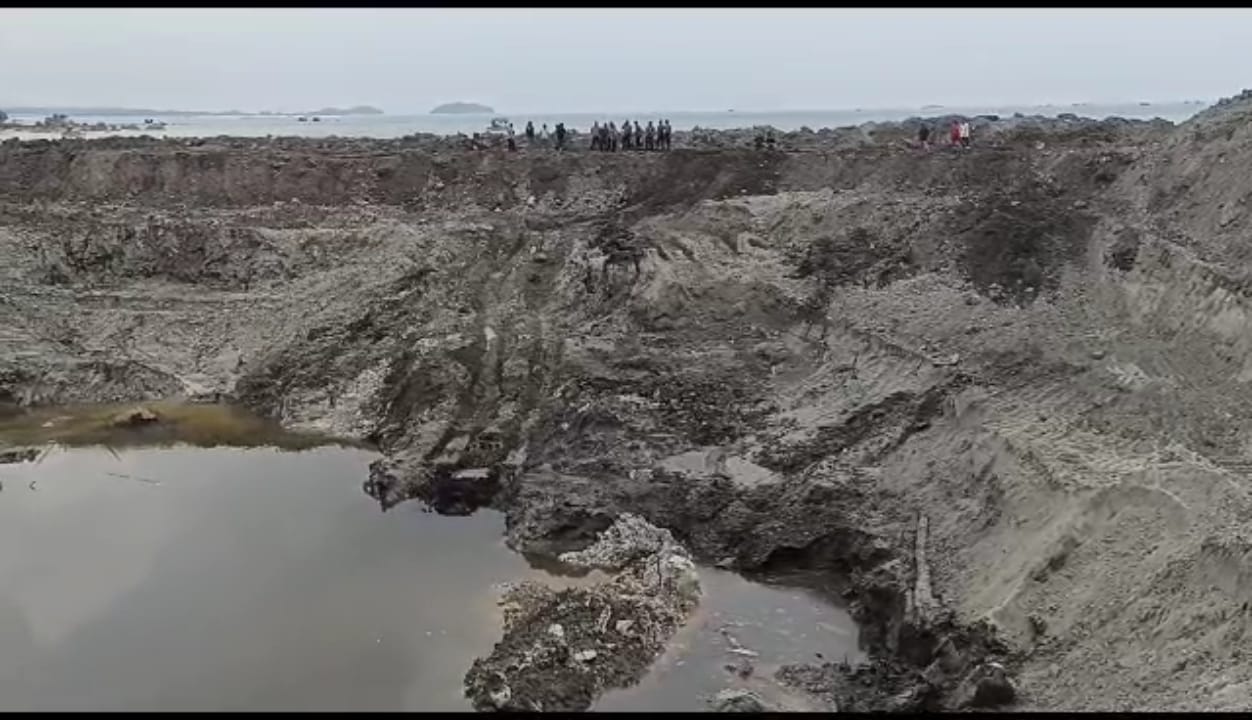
992,400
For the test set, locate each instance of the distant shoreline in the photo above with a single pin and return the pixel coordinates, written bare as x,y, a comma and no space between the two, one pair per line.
132,112
400,126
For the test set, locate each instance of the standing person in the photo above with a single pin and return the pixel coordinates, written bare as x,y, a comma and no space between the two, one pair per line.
543,135
954,135
512,139
530,133
669,135
626,144
965,139
595,136
638,136
560,136
612,137
923,136
649,137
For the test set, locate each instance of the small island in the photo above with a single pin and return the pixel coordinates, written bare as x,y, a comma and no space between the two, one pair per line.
462,108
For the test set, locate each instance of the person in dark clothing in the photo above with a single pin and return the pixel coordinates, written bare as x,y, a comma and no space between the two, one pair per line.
530,133
923,136
638,136
595,136
606,141
560,136
626,136
649,137
669,134
612,137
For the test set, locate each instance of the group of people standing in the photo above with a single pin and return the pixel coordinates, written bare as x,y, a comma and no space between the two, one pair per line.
958,134
631,136
556,137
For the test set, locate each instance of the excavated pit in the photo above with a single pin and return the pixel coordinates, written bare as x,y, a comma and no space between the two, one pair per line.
995,397
240,563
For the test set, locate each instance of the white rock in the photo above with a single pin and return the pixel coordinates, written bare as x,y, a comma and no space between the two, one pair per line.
501,697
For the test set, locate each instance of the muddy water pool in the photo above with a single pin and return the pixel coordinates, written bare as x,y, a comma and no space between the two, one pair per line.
136,576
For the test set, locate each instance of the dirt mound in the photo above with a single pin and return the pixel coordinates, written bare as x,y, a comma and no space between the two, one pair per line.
561,649
1017,245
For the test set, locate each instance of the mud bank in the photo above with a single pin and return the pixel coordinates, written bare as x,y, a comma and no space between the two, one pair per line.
997,396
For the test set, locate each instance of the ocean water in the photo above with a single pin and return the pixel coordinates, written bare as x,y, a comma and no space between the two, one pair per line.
392,126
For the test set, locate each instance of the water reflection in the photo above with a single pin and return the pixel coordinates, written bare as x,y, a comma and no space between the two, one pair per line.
224,573
740,635
247,579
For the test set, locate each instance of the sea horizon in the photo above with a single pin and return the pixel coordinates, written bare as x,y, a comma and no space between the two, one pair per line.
398,125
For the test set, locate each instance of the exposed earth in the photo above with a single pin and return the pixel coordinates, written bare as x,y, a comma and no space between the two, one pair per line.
1000,396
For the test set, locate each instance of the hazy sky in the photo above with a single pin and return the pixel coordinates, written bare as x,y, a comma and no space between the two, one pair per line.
534,60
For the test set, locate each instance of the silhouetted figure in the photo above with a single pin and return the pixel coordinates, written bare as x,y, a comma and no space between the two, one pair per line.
595,136
626,136
512,139
560,136
638,136
530,133
649,137
612,137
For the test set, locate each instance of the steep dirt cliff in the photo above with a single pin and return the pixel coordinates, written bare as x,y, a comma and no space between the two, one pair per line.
998,394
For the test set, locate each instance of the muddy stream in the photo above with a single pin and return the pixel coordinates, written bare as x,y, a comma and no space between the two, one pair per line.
218,562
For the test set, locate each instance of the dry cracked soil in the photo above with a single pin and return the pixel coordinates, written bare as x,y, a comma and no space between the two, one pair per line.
999,396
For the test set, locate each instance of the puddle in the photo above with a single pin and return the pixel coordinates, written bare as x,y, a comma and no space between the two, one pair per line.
201,425
740,620
196,576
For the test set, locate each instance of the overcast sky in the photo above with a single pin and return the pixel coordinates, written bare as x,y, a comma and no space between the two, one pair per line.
536,60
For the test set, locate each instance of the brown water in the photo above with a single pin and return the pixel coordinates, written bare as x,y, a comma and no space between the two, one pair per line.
182,577
739,620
